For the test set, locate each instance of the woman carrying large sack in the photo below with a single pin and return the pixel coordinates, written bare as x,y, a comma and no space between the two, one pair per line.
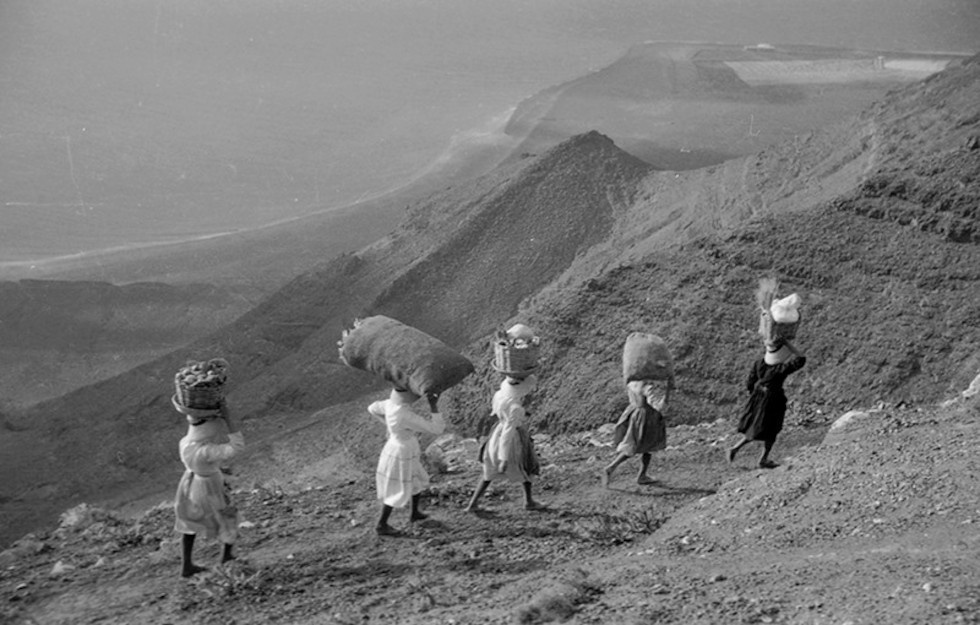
416,365
401,478
641,428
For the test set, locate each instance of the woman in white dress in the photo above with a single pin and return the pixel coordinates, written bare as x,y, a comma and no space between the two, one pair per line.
201,505
509,450
401,477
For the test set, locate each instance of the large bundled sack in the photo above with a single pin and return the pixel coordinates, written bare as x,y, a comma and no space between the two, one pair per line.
404,356
646,357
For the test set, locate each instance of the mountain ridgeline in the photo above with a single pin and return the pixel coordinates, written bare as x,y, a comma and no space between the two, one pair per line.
874,222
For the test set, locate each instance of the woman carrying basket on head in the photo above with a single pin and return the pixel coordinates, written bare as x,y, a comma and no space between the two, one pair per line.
201,505
509,450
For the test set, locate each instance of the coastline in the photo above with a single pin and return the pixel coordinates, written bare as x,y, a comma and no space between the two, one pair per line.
677,105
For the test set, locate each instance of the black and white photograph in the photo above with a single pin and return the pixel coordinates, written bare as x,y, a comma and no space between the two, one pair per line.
470,312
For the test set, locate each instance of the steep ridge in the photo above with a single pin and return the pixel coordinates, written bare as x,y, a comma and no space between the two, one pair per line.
892,317
893,291
676,253
283,352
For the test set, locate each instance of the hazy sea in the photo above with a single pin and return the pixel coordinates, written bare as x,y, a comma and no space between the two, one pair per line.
138,122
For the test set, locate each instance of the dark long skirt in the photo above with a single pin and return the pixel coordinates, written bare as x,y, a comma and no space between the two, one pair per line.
762,419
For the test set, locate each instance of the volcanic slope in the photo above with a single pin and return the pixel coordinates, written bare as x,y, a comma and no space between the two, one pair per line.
586,243
873,221
460,264
889,496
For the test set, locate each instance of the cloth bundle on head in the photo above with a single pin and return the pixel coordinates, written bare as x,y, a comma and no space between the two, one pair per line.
786,310
406,357
778,318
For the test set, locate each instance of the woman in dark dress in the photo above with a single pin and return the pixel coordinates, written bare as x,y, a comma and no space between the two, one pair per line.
640,430
763,416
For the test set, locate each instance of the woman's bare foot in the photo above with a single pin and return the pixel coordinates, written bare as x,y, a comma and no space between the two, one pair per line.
386,530
190,570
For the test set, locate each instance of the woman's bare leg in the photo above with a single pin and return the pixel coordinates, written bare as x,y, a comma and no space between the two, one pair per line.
188,567
734,449
764,460
383,528
643,478
529,503
481,488
608,471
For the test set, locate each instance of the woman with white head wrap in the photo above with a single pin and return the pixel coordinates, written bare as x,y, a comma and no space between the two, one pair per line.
762,417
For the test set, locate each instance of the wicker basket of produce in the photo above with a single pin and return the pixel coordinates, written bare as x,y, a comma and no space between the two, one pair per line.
516,351
200,385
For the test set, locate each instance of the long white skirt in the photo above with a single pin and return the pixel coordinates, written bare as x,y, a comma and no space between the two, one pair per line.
400,472
202,507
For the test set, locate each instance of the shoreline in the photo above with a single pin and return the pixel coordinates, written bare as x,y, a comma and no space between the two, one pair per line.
533,125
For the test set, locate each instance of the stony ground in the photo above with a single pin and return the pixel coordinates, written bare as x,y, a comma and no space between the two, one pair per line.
871,518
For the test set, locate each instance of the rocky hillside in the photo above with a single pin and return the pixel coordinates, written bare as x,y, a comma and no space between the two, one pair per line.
585,243
872,221
872,522
59,335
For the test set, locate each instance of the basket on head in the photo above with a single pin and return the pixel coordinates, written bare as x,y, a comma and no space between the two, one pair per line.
200,384
516,351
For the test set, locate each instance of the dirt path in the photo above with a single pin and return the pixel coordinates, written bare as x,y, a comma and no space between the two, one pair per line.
869,526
